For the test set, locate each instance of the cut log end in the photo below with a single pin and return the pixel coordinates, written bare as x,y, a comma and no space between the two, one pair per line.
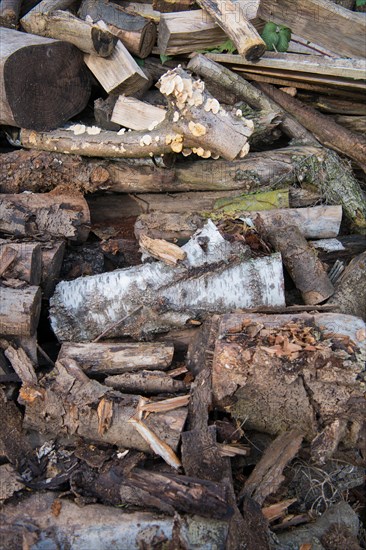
102,42
255,52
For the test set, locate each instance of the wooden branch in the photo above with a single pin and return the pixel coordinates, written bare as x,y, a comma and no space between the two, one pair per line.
328,132
62,25
20,310
29,215
72,404
146,383
350,290
119,73
196,121
183,294
345,30
9,13
21,261
301,262
43,82
232,19
137,115
118,358
136,33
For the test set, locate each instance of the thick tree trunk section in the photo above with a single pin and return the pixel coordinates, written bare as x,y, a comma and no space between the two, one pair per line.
64,26
136,33
101,525
21,261
344,37
68,402
350,291
232,19
316,396
133,295
118,358
43,81
327,131
9,13
19,310
301,261
45,216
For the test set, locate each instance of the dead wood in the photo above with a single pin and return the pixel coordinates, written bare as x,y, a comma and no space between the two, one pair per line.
118,358
39,77
267,475
327,131
9,13
20,310
145,383
62,25
350,291
52,257
21,261
68,402
28,215
301,262
279,395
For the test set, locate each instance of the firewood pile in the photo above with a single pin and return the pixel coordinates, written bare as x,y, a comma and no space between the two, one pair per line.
182,274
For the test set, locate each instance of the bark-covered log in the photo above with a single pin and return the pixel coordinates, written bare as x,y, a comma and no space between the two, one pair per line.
102,526
62,25
301,261
145,383
19,310
155,297
9,13
43,81
45,216
21,261
231,17
105,358
135,32
350,291
280,372
344,247
68,402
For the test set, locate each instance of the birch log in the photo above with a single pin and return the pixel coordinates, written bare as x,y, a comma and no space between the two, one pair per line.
156,297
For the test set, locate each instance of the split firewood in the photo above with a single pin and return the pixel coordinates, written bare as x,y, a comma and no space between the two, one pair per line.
9,13
135,114
103,109
115,523
196,123
62,25
317,222
155,297
136,33
166,6
50,71
20,310
145,382
68,402
344,247
254,376
344,37
112,359
52,256
301,261
327,131
159,249
29,215
231,17
267,476
21,261
119,73
350,291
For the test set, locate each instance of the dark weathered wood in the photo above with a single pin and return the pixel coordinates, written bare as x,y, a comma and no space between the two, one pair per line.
19,310
135,32
345,30
25,261
145,383
62,25
118,358
43,81
231,17
103,109
344,247
301,261
45,216
9,13
52,256
350,291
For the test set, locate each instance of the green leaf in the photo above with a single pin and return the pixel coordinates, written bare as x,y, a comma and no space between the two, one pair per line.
164,58
282,44
286,32
139,61
226,47
270,36
360,3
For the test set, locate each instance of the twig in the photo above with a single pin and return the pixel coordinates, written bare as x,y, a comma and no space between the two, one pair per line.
117,324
